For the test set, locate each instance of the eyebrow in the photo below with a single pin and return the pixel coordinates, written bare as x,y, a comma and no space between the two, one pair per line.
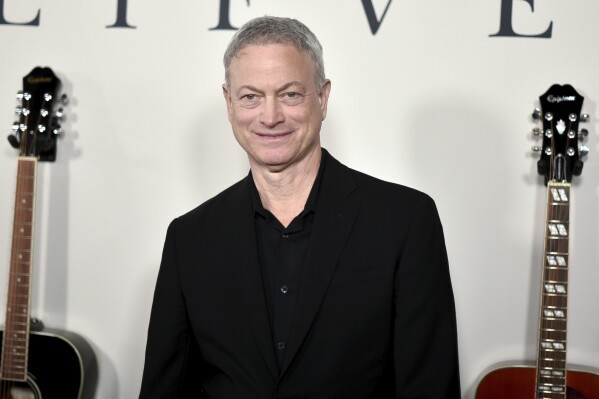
280,89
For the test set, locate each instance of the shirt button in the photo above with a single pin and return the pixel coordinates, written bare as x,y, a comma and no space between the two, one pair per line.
284,289
285,235
281,345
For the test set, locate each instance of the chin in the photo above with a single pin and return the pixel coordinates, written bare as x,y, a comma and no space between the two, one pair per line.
274,157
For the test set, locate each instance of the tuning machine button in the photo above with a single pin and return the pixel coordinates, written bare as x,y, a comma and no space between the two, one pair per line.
536,148
583,150
584,117
536,131
536,114
14,138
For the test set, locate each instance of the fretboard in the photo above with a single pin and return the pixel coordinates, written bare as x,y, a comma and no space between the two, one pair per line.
551,355
15,343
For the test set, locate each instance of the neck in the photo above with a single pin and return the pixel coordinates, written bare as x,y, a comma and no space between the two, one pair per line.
551,354
15,345
285,192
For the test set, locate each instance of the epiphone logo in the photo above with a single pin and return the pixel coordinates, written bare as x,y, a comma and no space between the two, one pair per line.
559,99
34,80
373,18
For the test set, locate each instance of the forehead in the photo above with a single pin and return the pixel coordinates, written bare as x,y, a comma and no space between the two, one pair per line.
271,60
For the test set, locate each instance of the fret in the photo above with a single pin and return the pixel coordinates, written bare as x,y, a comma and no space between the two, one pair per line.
553,331
553,363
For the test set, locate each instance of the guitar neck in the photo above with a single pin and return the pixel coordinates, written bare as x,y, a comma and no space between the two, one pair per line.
551,356
15,344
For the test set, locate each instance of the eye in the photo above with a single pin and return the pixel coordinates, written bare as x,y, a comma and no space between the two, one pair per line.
249,97
292,98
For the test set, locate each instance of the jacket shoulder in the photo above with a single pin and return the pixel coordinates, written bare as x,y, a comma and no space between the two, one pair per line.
217,205
387,193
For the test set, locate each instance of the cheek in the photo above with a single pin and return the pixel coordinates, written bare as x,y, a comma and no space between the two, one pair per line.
242,116
300,114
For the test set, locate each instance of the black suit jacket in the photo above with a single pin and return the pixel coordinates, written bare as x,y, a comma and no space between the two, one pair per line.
374,318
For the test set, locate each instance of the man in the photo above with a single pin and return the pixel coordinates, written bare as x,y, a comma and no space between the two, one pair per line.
306,279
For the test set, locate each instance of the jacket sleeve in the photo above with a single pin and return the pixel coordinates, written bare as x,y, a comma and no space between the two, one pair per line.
425,337
169,335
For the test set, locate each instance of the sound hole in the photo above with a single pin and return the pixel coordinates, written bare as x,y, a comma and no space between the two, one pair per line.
19,390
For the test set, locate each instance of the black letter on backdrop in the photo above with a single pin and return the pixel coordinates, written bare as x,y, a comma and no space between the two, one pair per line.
374,23
505,27
223,18
3,21
121,16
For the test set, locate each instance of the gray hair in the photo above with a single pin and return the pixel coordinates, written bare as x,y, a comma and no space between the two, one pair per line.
267,30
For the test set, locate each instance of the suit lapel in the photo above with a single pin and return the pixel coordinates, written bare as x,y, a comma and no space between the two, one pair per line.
334,217
247,273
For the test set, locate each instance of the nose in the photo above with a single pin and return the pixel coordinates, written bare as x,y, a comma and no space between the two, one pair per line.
272,113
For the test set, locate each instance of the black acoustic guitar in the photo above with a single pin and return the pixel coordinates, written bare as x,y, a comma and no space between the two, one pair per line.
35,362
561,153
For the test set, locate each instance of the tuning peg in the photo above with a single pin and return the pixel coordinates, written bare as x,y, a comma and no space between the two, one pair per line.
57,130
59,113
536,131
537,148
536,114
583,150
584,117
14,141
63,99
15,126
583,133
20,95
21,111
577,167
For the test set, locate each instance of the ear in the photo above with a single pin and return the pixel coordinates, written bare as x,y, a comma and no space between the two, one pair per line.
323,97
227,97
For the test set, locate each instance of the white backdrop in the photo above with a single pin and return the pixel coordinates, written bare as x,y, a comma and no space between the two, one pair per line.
430,101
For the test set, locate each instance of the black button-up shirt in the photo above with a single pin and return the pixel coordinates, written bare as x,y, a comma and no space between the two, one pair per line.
282,252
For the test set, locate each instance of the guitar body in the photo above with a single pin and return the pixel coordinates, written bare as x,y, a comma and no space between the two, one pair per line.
518,382
60,365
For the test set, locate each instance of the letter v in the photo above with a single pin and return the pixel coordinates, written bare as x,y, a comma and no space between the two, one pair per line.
374,23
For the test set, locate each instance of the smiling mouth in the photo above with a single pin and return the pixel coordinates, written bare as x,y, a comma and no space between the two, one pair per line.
273,135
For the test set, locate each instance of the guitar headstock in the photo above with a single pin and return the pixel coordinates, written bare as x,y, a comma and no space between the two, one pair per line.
39,115
562,147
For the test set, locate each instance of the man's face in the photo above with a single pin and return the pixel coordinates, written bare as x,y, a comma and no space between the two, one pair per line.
274,106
